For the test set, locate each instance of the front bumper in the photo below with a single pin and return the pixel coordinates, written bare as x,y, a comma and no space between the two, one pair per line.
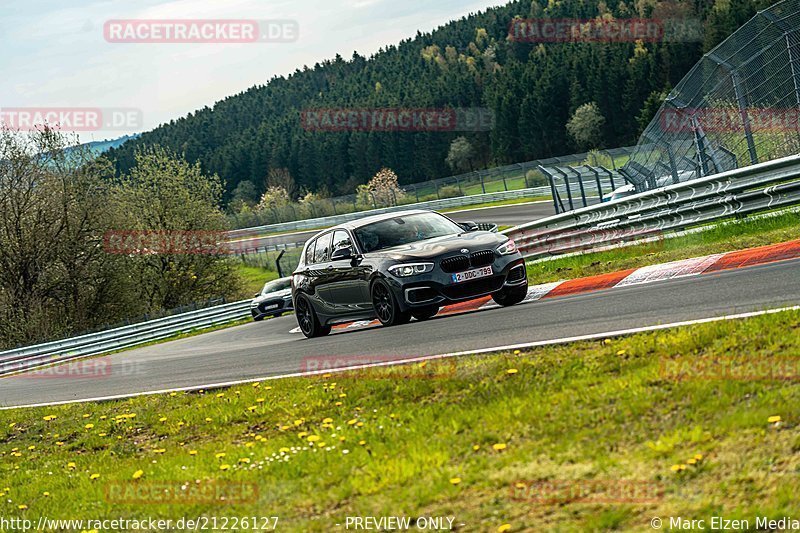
438,288
265,308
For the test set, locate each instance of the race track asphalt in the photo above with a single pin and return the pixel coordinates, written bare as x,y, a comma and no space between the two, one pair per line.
269,348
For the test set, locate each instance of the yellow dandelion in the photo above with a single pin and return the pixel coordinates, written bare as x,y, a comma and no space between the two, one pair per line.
476,447
774,419
220,455
499,446
138,474
455,480
22,507
220,395
252,408
259,400
208,420
621,352
512,371
698,457
31,448
46,494
94,476
327,420
224,467
159,450
249,444
504,527
162,419
313,438
88,426
72,465
351,422
192,452
244,460
362,442
691,461
517,352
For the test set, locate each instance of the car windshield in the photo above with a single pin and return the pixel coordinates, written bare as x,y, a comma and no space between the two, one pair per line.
404,230
277,285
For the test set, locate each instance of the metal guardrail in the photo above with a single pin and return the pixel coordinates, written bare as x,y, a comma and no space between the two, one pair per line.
31,357
734,193
445,203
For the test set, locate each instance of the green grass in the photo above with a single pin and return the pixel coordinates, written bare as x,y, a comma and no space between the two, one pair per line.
730,236
592,411
497,203
254,277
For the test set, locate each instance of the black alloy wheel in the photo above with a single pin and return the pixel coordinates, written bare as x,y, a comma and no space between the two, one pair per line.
307,319
386,307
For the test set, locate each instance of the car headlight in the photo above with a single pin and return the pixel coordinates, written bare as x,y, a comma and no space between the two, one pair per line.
410,269
507,248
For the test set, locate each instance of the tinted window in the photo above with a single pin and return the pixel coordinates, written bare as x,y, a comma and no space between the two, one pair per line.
310,252
403,230
341,239
322,248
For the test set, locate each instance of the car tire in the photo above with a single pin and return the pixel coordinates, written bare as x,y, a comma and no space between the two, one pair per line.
426,313
386,307
307,318
258,318
511,295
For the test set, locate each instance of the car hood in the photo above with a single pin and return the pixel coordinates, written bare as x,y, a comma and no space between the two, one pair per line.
430,248
277,295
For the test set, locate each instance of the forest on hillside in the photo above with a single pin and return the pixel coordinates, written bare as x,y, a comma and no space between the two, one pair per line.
609,90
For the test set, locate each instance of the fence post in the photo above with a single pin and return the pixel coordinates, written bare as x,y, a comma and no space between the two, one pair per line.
483,185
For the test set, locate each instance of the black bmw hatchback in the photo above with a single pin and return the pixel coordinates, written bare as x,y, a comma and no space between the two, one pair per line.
401,265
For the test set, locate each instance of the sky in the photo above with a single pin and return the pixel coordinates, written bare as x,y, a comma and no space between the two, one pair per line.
55,54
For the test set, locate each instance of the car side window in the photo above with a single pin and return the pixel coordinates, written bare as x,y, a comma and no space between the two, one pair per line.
341,239
322,249
310,252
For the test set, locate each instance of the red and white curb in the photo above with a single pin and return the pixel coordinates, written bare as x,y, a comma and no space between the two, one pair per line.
625,278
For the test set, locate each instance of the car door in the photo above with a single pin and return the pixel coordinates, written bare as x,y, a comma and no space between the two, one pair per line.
319,270
347,282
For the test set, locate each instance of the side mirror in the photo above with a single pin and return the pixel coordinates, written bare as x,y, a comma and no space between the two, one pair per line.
256,295
341,254
469,226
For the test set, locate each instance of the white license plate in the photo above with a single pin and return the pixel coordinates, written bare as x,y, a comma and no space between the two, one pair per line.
269,307
469,275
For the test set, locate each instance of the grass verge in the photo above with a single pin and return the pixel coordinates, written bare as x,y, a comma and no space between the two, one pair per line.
465,438
726,237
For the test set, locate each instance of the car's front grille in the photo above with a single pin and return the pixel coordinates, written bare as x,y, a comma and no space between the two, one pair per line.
264,305
482,258
460,263
471,289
